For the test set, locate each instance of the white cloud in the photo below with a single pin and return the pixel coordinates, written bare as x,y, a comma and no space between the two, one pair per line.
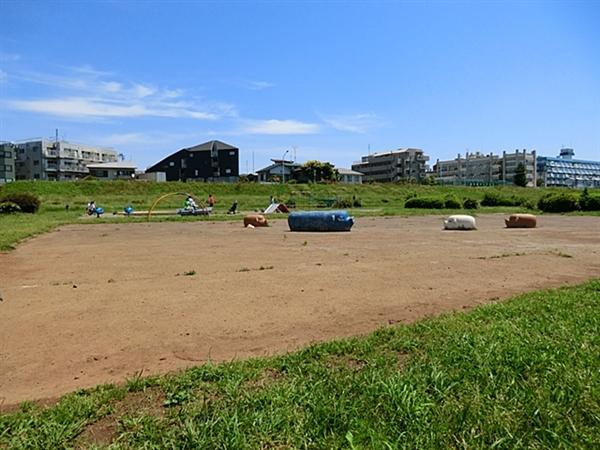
258,85
9,57
150,139
111,86
141,91
274,126
354,123
88,70
172,93
85,92
97,107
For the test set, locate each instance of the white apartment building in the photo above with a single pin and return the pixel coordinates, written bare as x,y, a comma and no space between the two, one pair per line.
404,164
45,159
478,169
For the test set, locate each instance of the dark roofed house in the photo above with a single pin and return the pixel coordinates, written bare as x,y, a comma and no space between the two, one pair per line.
211,161
277,170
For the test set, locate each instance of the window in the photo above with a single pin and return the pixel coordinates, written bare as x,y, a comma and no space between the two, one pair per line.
232,153
36,163
227,170
172,164
196,172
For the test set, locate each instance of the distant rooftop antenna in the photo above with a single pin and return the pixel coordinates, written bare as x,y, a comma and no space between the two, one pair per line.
56,135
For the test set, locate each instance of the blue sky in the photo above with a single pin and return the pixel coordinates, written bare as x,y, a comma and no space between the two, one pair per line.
328,79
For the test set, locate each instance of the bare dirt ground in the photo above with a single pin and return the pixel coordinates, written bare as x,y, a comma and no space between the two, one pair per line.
90,304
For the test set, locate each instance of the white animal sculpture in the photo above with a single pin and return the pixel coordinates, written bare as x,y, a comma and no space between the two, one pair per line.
460,222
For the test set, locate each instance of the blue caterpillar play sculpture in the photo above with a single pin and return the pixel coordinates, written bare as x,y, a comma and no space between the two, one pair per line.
320,221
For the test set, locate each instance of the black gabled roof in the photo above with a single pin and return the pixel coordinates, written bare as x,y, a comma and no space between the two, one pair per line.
207,146
218,145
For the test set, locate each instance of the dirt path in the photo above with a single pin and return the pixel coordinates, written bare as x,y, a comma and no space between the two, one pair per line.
90,304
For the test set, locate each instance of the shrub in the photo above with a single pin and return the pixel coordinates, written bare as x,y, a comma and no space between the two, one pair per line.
356,202
424,202
452,203
471,203
9,207
342,203
558,203
589,202
28,203
495,199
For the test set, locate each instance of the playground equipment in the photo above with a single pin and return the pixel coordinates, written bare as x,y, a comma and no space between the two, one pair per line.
320,221
256,220
198,209
521,221
276,207
460,222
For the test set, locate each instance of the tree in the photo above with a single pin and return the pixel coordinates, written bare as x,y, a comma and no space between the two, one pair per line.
316,171
520,175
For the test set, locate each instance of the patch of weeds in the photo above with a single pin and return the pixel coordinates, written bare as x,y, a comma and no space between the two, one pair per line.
503,255
305,243
177,398
111,280
265,268
559,253
244,269
189,273
137,382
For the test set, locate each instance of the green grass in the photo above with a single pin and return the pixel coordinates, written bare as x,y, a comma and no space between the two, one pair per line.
376,200
520,374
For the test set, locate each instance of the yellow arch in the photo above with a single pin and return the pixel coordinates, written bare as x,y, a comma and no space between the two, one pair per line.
200,204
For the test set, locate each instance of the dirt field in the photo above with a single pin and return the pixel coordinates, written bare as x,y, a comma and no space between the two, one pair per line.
90,304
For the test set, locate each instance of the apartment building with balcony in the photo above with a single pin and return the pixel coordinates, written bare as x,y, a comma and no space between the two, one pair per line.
45,159
565,171
479,169
404,164
7,162
211,161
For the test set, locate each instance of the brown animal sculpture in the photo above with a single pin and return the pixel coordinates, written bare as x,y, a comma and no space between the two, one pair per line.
521,221
256,220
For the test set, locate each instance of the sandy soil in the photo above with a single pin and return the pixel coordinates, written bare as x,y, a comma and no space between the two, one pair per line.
90,304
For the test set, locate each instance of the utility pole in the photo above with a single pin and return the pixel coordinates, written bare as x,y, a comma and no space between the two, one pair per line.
283,167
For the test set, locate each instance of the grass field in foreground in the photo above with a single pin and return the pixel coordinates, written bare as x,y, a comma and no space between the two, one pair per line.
524,373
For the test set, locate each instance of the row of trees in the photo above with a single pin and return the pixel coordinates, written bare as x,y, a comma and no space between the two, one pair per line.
313,172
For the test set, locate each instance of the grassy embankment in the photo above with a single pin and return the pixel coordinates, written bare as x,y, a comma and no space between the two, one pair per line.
376,199
520,374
